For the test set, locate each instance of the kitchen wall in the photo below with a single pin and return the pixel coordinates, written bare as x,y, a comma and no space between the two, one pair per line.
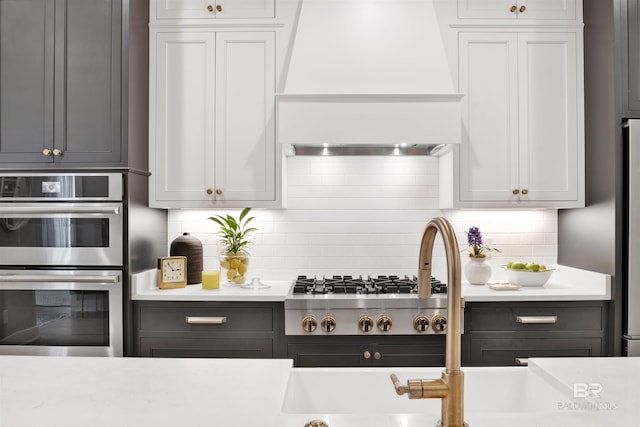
366,215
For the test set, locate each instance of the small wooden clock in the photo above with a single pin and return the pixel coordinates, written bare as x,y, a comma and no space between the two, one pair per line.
172,272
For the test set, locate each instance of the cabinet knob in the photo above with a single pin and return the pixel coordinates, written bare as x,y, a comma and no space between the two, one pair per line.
47,152
366,355
525,191
513,8
377,355
209,191
57,152
219,8
523,8
522,361
210,8
515,191
218,191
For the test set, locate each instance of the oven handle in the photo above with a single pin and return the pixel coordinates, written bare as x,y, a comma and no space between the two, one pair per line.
48,278
46,210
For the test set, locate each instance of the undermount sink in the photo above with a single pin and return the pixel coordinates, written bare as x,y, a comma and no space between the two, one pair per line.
370,390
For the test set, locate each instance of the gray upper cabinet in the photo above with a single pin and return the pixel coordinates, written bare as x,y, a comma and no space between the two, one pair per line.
60,83
633,81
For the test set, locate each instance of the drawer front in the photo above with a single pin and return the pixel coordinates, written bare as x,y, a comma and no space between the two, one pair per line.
218,348
507,352
206,319
534,318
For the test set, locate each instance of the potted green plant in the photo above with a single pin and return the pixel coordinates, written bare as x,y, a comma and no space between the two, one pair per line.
235,232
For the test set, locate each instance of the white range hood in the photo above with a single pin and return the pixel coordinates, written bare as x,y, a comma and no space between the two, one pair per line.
369,73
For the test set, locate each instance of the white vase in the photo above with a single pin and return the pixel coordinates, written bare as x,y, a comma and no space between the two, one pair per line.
477,271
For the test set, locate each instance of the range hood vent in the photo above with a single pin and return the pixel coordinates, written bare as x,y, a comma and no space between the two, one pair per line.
369,73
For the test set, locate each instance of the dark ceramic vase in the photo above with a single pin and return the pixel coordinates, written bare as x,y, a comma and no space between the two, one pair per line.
191,247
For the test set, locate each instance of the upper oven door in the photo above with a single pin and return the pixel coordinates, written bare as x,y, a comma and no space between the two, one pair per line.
61,234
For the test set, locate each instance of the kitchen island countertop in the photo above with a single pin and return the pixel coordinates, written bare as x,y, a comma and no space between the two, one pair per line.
118,392
566,284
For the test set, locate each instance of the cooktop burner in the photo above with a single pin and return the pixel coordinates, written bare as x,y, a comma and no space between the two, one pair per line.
359,285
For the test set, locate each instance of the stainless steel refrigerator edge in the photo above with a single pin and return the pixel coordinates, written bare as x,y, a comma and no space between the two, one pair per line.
632,292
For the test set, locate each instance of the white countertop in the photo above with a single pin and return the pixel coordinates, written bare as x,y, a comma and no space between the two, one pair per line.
85,391
144,287
566,284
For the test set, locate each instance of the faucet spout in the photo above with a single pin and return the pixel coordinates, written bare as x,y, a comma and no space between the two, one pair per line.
450,387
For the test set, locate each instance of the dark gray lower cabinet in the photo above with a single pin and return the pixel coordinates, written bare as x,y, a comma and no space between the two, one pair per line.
502,334
208,329
354,351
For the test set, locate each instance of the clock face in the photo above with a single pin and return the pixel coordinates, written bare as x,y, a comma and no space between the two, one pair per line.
173,270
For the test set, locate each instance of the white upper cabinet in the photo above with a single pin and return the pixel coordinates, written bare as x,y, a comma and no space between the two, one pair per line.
211,9
523,137
520,9
212,137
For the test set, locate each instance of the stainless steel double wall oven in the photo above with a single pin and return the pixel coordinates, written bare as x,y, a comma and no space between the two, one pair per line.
62,263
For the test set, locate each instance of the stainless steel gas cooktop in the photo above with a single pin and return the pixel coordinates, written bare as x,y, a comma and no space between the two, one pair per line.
348,305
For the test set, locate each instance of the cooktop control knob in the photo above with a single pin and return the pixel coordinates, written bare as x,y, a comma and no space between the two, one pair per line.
439,323
309,324
384,323
421,323
328,323
365,323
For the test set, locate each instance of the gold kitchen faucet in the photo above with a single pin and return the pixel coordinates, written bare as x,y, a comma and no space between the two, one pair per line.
449,387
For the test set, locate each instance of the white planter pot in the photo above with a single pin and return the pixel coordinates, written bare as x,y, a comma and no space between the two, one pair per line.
477,271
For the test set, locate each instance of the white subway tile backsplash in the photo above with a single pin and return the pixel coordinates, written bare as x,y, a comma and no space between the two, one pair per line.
366,215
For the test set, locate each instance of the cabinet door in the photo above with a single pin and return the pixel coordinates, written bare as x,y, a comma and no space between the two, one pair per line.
522,115
60,82
517,9
428,353
488,154
509,351
26,80
633,50
88,81
328,355
209,9
181,110
245,134
548,116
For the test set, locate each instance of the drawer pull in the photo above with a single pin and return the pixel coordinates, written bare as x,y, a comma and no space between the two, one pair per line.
205,320
522,361
536,319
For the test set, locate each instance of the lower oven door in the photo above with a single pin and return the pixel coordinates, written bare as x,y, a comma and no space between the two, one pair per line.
61,234
61,312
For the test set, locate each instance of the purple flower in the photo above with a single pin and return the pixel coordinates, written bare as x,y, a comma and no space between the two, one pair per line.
474,239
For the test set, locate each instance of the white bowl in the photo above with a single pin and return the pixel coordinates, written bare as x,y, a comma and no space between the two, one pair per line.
528,277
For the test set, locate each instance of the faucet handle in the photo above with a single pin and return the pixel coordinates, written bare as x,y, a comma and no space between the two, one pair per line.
400,389
413,387
420,389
